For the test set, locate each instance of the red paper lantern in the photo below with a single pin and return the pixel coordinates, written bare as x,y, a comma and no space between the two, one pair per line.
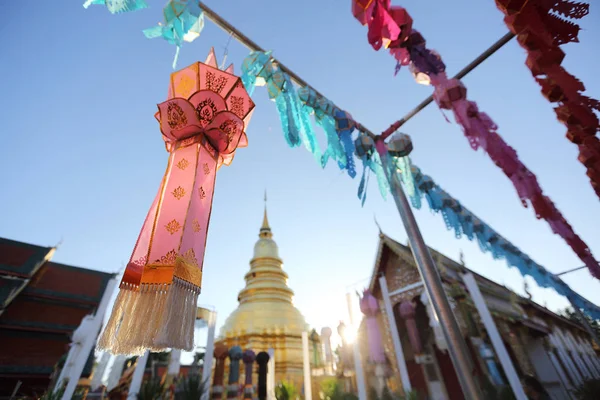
573,114
577,133
510,7
539,60
454,91
363,10
551,90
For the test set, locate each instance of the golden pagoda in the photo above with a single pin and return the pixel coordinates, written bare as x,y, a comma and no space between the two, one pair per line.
266,317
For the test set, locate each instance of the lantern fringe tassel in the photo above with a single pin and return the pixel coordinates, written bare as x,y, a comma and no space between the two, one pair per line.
149,316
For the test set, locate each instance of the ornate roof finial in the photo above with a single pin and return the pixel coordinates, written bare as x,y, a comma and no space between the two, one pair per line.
378,227
265,229
526,288
461,258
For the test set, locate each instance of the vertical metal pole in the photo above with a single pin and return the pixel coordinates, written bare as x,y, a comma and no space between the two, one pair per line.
406,386
433,285
492,330
358,371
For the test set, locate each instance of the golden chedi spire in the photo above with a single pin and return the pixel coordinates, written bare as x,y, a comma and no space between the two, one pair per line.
266,317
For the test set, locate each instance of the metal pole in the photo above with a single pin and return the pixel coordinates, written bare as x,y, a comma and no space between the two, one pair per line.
249,43
470,67
17,387
571,270
433,285
492,330
400,360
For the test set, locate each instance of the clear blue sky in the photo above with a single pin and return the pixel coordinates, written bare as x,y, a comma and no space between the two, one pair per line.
82,155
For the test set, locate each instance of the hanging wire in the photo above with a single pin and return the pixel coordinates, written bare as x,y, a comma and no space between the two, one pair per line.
226,52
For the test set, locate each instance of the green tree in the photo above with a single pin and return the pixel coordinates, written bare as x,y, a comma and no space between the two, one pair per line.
332,390
286,391
152,389
192,388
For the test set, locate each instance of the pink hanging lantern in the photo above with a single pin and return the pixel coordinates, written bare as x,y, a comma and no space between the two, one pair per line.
202,123
370,308
407,312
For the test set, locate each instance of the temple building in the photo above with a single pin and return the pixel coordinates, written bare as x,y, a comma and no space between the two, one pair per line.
41,305
266,317
558,352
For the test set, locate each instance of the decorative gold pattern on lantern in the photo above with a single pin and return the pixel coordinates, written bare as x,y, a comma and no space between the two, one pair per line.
190,258
140,262
173,227
201,193
206,111
196,225
206,169
169,258
178,193
183,164
175,116
230,128
215,84
237,105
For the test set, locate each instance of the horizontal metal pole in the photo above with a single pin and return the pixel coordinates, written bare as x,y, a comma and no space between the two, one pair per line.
570,270
463,72
249,43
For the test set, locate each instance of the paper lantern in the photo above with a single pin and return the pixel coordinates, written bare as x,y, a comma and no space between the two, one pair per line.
262,359
183,21
364,145
363,10
118,6
452,90
408,313
235,355
510,7
202,124
370,308
400,145
248,359
220,353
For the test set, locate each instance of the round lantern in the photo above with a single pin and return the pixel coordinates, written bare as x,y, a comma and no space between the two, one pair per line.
364,145
400,145
452,91
426,183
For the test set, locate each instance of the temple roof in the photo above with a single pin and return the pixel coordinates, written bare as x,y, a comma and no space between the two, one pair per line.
451,272
43,308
